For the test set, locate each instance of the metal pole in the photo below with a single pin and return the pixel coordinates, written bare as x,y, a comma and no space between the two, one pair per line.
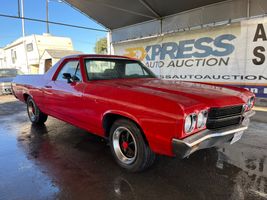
19,8
22,15
47,12
248,9
23,34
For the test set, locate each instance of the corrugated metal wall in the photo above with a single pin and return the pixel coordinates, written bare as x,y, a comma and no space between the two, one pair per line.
212,15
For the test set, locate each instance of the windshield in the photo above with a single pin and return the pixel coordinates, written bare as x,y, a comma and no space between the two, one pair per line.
9,72
103,69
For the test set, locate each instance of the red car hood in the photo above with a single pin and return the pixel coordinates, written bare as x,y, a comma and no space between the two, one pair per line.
187,93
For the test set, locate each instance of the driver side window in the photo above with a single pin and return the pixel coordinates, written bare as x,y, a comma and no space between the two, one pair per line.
71,67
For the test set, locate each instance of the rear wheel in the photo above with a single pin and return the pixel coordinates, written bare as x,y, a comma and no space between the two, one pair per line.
36,116
128,146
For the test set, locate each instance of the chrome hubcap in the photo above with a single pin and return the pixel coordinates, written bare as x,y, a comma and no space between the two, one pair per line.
31,110
124,145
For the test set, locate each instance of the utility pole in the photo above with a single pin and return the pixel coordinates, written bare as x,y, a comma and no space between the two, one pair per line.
23,34
22,16
47,18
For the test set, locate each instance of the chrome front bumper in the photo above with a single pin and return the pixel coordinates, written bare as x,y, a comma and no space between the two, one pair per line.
208,138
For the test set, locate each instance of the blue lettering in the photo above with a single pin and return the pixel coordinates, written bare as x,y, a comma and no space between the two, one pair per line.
169,49
184,47
205,49
228,48
147,52
200,48
156,50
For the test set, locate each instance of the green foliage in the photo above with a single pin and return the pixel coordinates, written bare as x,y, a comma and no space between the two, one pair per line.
101,46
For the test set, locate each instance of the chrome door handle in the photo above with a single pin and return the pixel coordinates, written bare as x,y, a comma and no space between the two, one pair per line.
48,86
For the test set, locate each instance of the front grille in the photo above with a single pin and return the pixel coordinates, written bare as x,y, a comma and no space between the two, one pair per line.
222,117
226,111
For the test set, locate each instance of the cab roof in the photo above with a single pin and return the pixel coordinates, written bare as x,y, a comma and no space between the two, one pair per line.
98,56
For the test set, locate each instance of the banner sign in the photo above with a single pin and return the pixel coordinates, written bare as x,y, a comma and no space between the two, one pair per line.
232,55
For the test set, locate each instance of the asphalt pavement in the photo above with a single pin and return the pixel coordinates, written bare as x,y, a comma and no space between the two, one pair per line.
60,161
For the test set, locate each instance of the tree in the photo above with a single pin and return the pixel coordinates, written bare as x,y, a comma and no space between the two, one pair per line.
101,46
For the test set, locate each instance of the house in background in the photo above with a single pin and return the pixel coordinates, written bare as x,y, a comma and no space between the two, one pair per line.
25,53
52,56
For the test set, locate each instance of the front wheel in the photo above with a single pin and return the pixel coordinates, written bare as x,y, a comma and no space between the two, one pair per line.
36,116
128,146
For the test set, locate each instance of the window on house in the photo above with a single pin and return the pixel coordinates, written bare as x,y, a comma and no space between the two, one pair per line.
29,47
13,56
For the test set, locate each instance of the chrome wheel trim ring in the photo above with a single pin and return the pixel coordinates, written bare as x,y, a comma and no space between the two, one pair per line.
116,142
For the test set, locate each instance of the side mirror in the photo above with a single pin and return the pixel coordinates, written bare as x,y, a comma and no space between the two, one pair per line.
68,77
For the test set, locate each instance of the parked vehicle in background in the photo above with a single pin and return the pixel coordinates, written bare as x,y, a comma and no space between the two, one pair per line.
120,99
6,77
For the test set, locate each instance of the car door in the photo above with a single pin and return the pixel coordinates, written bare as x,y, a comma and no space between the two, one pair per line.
66,98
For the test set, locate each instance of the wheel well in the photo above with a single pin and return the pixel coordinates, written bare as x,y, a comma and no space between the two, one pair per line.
109,119
25,97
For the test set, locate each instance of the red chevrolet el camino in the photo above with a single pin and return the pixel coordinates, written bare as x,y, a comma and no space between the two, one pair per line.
120,99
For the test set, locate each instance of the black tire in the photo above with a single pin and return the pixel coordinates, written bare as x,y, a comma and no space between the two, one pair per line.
35,115
136,156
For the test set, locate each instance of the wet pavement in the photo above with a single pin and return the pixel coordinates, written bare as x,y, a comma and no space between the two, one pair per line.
60,161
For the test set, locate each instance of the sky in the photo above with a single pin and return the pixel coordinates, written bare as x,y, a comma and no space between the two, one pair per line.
11,29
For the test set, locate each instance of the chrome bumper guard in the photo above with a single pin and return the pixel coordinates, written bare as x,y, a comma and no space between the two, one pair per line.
208,138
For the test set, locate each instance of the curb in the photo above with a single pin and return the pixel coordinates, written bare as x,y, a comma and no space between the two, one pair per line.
261,102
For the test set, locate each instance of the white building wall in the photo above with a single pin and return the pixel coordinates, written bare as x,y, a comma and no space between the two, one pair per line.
2,58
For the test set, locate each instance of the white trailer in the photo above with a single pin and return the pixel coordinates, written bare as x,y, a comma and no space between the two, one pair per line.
25,53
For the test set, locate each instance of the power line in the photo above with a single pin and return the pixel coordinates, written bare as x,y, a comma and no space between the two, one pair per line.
52,22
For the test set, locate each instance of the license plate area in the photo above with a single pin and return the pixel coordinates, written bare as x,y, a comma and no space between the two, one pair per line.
237,136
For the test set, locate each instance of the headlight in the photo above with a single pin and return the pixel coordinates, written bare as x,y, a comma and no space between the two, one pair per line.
190,123
250,102
202,118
